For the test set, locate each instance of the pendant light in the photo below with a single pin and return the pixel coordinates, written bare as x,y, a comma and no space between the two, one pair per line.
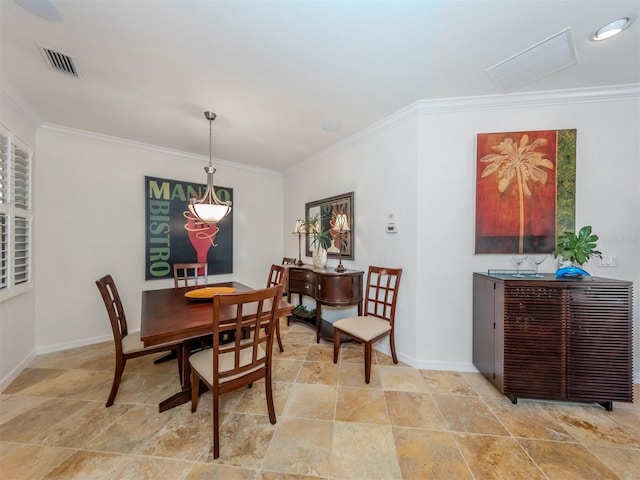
209,209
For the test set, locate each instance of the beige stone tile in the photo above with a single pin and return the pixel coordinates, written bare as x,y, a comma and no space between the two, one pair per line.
491,457
626,416
30,462
292,351
130,433
404,379
82,425
146,389
75,358
363,451
13,405
624,462
311,401
228,401
208,471
320,353
146,366
153,468
353,353
31,423
30,377
428,454
469,414
449,383
303,337
244,439
591,425
8,447
83,465
76,384
319,372
284,476
481,385
361,405
414,409
352,375
300,446
284,370
528,420
566,461
254,400
382,358
185,436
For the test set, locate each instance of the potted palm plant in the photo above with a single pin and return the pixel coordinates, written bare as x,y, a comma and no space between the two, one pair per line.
577,249
320,240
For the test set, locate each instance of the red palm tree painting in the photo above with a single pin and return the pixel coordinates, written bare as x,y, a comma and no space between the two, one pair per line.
516,192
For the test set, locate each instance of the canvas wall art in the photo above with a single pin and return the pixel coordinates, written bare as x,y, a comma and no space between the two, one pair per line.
525,190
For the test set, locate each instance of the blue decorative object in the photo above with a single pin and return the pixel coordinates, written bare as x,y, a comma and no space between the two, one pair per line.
571,272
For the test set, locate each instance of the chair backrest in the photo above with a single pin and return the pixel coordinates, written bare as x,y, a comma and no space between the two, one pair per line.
288,261
111,299
382,292
277,276
184,272
253,327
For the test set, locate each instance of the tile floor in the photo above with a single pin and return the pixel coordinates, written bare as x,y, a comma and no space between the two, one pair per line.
407,424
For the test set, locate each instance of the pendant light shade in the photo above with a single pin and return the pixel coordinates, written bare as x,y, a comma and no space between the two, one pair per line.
209,208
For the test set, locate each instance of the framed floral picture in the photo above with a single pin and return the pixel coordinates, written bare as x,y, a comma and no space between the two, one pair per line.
325,211
525,190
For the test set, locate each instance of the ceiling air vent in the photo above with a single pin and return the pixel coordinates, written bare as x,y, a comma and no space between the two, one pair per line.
538,61
58,61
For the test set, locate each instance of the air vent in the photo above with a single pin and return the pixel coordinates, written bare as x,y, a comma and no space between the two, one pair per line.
538,61
58,61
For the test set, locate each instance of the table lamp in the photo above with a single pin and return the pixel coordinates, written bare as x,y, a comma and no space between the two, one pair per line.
300,230
341,227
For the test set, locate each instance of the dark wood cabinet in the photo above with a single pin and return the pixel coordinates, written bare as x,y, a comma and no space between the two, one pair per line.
327,287
556,339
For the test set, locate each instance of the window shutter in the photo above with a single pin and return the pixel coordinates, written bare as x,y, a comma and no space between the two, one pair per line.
4,254
4,168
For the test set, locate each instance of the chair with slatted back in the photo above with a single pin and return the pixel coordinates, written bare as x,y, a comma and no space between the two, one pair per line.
190,274
128,345
229,366
288,261
278,276
378,321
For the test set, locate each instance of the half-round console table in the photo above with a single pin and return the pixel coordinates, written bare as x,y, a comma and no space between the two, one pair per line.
327,287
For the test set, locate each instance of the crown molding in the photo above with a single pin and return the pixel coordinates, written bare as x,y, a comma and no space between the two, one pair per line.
146,147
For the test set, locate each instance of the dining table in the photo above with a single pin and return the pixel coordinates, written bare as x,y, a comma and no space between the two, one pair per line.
169,316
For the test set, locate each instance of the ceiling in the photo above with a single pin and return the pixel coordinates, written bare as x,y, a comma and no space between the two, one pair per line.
276,71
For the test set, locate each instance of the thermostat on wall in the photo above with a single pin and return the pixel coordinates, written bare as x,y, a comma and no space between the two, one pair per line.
391,223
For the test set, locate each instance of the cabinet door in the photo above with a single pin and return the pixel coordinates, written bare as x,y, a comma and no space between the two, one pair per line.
599,347
484,315
535,331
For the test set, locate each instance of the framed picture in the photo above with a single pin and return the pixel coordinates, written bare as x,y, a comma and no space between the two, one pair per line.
525,190
326,211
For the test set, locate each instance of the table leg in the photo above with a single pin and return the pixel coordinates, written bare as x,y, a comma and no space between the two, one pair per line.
184,395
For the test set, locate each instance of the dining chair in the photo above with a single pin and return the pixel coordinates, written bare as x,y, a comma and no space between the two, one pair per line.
183,273
378,320
128,345
288,261
278,276
229,366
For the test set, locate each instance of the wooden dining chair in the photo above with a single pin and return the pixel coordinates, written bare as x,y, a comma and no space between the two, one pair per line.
380,299
227,367
278,276
190,274
128,345
288,261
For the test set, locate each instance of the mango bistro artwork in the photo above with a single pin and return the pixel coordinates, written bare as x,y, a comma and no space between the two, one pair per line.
173,235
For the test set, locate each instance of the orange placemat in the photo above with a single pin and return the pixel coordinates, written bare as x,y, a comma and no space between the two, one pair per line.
208,292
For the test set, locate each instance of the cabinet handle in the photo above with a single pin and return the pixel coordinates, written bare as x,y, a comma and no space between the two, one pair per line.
306,276
306,287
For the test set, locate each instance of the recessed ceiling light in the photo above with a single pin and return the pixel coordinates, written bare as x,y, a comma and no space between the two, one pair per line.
613,28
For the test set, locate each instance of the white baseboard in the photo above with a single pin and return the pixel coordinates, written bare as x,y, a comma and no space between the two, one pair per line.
75,344
13,374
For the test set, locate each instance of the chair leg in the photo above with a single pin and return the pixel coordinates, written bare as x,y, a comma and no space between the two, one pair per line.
336,344
270,407
117,376
368,346
195,390
278,336
392,343
216,425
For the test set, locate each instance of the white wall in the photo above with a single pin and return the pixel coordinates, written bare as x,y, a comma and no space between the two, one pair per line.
421,163
17,314
90,217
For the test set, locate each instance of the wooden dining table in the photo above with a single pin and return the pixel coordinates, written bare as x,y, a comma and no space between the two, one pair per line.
169,316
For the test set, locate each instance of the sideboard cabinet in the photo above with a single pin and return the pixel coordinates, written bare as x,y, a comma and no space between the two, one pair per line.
327,287
556,339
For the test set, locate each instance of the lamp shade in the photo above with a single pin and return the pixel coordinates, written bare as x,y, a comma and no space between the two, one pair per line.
342,223
299,228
